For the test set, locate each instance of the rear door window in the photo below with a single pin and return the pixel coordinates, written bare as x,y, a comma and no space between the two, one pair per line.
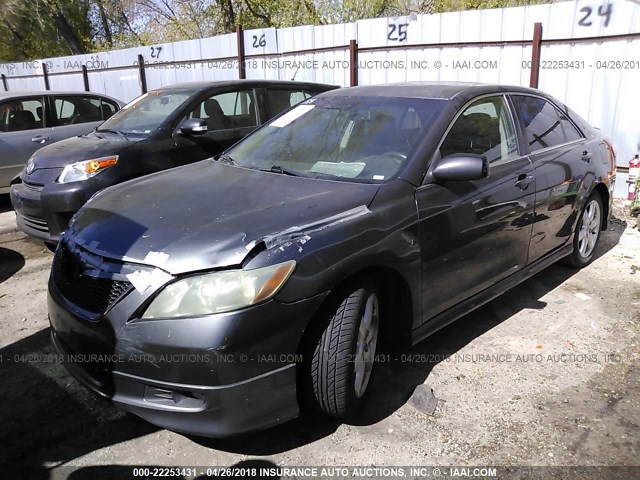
22,114
543,124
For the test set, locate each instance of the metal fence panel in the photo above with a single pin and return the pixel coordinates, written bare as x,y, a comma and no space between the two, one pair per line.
583,63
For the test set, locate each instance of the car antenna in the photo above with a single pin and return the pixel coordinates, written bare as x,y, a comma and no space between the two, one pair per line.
294,75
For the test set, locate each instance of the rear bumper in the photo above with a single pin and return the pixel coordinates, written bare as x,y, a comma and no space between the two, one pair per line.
612,186
44,212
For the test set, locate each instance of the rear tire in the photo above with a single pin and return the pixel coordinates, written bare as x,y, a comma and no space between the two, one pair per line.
587,234
341,352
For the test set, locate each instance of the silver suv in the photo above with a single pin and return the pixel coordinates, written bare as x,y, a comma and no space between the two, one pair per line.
30,120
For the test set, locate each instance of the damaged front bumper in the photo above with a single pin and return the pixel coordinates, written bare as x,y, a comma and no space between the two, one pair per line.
211,411
215,375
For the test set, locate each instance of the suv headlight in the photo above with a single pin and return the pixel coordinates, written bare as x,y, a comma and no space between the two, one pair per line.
219,292
84,170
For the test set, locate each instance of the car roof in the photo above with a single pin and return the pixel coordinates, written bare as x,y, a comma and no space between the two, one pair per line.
32,93
247,83
430,90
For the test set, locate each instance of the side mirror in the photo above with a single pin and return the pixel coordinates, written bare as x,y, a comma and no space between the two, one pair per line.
461,166
193,126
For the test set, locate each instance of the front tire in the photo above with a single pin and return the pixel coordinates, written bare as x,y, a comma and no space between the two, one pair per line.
587,233
341,353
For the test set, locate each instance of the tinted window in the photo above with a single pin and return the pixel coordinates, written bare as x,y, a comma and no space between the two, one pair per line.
17,115
107,107
342,138
228,110
543,124
281,99
72,110
484,128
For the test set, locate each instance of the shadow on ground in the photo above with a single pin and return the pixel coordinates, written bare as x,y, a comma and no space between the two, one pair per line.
5,203
48,419
11,262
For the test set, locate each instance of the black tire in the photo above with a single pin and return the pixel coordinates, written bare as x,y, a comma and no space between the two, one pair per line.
581,257
329,375
51,246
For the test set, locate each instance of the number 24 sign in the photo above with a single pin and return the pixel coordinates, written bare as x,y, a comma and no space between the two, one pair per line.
603,10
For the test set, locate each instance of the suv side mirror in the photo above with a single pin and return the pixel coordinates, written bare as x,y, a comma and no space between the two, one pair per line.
461,166
193,126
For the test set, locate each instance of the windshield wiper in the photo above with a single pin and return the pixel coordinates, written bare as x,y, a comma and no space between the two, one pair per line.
108,130
280,170
224,158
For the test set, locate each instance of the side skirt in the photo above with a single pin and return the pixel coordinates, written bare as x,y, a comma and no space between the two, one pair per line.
453,313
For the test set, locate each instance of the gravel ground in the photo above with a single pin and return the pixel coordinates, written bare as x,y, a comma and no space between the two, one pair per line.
547,374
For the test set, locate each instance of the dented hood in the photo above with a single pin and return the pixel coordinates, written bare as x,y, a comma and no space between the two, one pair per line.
210,215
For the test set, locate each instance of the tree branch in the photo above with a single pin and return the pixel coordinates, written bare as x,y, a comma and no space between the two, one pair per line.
253,12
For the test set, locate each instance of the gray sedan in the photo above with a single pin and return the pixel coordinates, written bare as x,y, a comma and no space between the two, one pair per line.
225,296
30,120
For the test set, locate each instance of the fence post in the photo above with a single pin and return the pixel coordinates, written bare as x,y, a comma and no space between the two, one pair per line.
242,73
142,75
85,78
45,73
353,63
4,83
536,47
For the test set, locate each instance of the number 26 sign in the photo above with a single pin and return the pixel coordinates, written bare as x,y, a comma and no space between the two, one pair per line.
260,41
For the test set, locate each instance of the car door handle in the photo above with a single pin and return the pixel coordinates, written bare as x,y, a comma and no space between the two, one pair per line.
523,181
40,139
586,156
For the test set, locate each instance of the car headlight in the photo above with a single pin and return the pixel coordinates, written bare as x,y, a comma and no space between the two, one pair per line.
83,170
30,165
219,292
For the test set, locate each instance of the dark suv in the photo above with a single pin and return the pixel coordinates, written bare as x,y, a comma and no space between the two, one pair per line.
161,129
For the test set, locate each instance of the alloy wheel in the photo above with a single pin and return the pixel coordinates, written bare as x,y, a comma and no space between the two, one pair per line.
589,229
366,345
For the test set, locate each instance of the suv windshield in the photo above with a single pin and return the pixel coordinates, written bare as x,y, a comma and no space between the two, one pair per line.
146,113
361,139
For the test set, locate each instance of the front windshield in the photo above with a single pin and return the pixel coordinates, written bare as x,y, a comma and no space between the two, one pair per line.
146,113
362,139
